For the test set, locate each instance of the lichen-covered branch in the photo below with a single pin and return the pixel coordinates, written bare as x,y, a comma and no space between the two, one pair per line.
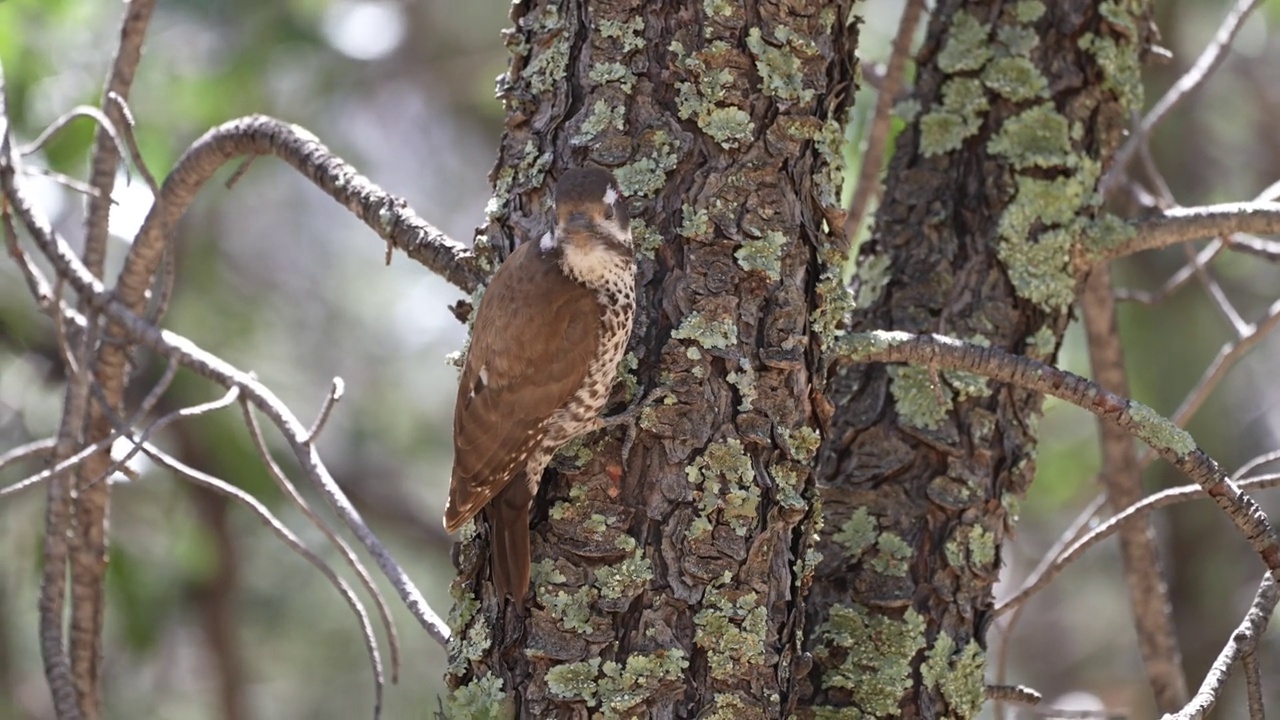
1171,442
1184,224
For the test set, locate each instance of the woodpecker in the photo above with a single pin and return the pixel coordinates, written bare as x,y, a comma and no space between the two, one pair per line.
545,346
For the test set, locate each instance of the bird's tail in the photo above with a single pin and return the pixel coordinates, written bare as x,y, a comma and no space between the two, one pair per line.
509,546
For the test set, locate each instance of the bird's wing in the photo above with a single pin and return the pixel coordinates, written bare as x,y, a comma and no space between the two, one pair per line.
533,339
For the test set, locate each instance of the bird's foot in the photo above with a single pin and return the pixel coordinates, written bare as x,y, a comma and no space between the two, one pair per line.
631,413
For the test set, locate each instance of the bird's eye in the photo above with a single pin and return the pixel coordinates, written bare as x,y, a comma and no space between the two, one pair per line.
608,212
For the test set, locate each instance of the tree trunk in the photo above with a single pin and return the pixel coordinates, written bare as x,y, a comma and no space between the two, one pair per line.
792,535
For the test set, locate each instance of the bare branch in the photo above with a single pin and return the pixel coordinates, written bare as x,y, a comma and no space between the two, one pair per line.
330,400
106,155
62,121
868,187
1176,280
181,350
286,485
1208,61
1171,442
390,217
1122,477
1253,684
1031,699
34,450
293,541
1243,641
1183,224
1039,580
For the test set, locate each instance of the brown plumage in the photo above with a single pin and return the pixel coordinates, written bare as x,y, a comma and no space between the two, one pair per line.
545,346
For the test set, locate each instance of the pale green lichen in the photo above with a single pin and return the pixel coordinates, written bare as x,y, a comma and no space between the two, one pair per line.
963,103
857,533
1159,431
835,303
571,609
731,633
646,175
982,547
718,333
1017,40
967,45
1121,68
873,275
611,72
1015,78
892,553
786,485
719,8
763,255
603,116
870,656
969,385
920,402
1036,137
728,126
630,33
646,239
959,677
866,345
699,98
1028,11
574,680
1105,234
744,378
481,699
830,142
547,68
802,443
727,479
467,642
627,578
1042,343
780,69
694,224
1040,270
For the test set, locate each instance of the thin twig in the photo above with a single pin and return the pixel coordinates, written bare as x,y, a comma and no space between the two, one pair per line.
330,400
1164,498
294,542
1176,280
1204,65
182,350
868,187
1253,684
63,120
1244,640
287,486
1031,699
34,450
1182,224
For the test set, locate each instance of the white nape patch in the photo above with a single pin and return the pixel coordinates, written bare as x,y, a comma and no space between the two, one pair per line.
610,196
548,242
484,374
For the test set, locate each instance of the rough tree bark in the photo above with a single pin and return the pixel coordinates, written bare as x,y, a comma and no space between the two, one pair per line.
793,534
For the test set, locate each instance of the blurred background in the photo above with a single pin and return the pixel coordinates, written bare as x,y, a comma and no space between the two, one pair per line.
278,279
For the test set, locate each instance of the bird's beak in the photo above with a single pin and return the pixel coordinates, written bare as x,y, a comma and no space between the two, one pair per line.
578,223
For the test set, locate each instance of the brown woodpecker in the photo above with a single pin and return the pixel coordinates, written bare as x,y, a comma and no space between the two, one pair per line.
545,346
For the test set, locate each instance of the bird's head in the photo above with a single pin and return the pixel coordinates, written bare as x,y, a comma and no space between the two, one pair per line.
589,208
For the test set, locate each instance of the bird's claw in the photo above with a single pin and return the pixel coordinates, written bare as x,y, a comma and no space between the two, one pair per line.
626,416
